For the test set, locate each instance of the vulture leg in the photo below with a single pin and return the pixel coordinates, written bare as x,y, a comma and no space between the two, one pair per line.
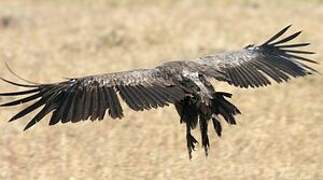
203,121
200,107
188,113
191,141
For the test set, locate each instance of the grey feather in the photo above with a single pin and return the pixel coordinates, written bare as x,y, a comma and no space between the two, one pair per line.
184,83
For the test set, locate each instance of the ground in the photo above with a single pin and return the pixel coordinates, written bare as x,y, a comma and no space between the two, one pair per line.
278,136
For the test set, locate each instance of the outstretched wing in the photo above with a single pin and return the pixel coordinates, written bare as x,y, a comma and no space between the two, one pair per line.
253,66
89,97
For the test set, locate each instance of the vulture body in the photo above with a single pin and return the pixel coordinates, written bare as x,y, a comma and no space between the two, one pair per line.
186,84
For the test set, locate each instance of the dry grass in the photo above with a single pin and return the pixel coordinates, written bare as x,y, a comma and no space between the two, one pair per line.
279,135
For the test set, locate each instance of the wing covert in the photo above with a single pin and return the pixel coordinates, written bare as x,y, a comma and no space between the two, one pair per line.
89,97
254,66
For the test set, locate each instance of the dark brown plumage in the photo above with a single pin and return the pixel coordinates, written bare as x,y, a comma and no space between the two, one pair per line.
182,83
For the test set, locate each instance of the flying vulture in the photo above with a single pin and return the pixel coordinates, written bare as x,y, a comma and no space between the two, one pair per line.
183,83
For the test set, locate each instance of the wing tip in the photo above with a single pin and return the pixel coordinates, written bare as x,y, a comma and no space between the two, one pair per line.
29,125
12,119
15,74
18,84
277,35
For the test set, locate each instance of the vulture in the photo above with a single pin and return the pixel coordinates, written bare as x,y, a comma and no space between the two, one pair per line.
183,83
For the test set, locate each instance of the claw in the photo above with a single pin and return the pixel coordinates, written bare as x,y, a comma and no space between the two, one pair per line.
206,145
191,141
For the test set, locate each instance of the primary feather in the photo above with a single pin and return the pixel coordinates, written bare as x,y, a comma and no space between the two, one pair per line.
182,83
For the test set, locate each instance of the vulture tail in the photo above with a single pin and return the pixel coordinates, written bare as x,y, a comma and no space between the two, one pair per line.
192,113
221,106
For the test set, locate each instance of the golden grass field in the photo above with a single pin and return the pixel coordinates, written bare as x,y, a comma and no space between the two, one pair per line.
278,136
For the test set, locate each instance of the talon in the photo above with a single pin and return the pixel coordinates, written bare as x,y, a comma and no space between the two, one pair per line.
191,141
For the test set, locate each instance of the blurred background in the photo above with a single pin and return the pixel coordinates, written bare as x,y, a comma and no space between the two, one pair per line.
278,136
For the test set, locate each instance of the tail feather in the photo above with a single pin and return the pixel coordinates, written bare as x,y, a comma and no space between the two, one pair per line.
221,106
192,111
225,108
217,125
